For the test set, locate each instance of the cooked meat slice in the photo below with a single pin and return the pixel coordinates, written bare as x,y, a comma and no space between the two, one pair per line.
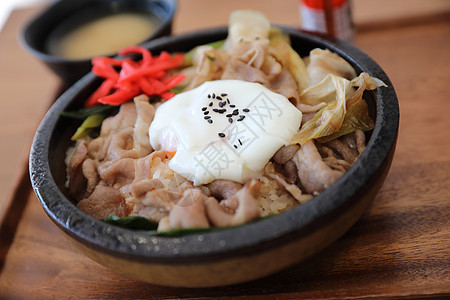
154,204
121,145
293,189
313,173
360,138
223,189
322,62
230,205
291,172
118,172
161,198
104,201
208,64
77,181
150,212
189,212
253,56
125,118
330,158
285,85
146,166
140,187
285,153
145,114
282,83
349,140
336,163
325,151
283,159
271,66
247,210
116,135
237,69
345,151
91,175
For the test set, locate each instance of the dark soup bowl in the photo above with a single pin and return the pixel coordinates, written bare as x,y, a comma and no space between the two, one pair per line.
68,22
232,255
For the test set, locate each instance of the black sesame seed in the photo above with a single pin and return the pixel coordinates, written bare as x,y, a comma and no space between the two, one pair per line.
214,96
239,140
228,101
206,112
204,108
207,117
229,115
240,118
223,95
210,104
235,147
220,111
209,96
221,134
210,121
221,104
235,112
230,120
219,98
232,105
246,110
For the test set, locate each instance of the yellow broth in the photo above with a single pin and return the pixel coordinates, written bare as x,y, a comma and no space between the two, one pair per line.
102,36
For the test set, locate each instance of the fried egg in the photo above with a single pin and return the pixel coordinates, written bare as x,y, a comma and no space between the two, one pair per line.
223,129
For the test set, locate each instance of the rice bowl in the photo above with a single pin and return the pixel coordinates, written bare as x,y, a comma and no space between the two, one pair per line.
211,257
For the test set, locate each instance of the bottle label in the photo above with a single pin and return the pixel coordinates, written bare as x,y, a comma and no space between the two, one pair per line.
314,18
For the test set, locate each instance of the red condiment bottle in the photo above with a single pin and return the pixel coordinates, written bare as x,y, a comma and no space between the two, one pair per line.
332,17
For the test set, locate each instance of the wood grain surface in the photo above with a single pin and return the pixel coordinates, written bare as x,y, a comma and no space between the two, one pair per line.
400,248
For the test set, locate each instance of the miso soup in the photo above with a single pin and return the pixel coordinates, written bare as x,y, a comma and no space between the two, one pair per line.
102,36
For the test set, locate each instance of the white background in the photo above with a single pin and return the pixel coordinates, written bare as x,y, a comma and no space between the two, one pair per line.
6,6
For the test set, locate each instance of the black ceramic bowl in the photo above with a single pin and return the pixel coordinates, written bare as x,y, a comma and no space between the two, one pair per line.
37,32
232,255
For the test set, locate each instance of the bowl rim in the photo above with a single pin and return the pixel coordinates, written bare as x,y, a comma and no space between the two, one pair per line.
25,35
262,234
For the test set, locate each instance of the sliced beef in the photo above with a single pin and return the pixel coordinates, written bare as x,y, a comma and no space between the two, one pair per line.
145,114
291,188
91,175
343,150
104,201
360,138
154,204
118,172
285,153
313,173
285,165
291,172
77,181
140,187
247,209
223,189
188,213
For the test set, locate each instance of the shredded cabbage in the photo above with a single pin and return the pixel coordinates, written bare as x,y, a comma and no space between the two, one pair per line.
281,49
330,118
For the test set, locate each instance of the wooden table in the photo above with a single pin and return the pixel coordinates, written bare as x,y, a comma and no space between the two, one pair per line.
400,248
